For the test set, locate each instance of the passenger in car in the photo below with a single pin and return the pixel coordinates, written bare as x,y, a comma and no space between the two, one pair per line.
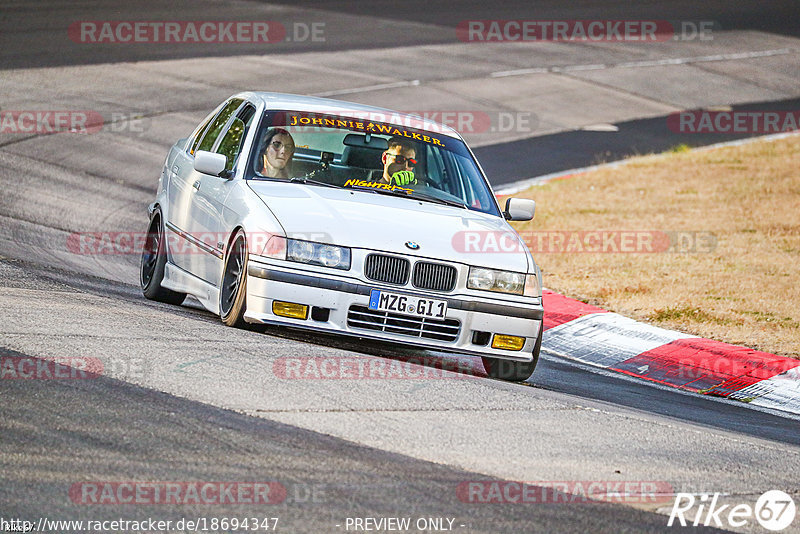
398,162
277,153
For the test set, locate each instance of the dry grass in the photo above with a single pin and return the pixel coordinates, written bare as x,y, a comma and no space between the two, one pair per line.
745,291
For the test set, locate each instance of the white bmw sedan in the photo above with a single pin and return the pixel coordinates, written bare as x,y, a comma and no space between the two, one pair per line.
345,219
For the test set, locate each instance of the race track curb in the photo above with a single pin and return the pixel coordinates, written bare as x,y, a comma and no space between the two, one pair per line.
594,336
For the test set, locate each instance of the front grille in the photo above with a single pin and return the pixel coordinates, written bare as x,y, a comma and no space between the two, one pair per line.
434,276
394,323
389,269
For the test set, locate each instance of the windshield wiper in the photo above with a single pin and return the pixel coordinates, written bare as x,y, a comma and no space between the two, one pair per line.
414,196
304,180
438,200
391,192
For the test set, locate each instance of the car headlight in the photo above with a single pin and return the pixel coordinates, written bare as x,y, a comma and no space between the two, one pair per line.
318,254
492,280
480,278
331,256
301,251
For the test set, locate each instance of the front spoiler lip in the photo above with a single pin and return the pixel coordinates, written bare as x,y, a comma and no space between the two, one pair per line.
258,271
419,346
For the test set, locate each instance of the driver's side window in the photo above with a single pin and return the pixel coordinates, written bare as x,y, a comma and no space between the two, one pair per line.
231,144
213,130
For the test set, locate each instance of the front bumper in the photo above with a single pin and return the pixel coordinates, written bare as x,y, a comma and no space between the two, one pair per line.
339,294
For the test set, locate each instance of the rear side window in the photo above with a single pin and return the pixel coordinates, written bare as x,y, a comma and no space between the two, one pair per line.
219,122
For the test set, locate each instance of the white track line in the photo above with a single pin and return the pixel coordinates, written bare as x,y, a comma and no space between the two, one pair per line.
646,63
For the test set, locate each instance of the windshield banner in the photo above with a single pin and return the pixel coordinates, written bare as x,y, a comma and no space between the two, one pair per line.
367,122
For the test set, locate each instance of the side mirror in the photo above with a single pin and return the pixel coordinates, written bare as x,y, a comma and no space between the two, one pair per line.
519,209
210,162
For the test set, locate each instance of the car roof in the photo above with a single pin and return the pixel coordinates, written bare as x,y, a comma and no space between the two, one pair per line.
327,105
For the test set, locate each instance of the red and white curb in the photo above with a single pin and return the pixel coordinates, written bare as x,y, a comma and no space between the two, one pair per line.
599,338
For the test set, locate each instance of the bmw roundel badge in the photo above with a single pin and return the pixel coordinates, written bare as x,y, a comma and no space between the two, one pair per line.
413,245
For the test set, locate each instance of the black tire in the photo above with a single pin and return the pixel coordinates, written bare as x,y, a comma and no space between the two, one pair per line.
154,258
233,289
513,371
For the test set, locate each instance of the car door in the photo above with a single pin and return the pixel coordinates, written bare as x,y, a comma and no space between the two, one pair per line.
177,210
186,209
212,191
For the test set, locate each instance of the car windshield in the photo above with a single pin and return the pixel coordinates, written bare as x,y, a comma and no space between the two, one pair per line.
384,157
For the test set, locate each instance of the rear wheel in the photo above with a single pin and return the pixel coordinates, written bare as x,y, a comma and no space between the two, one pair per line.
513,371
233,290
154,259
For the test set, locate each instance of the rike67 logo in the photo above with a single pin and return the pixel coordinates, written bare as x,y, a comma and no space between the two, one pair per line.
774,510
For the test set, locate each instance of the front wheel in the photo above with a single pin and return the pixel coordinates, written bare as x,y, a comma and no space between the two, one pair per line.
154,259
233,290
510,370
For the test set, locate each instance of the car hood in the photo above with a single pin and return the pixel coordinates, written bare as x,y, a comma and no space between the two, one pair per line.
373,221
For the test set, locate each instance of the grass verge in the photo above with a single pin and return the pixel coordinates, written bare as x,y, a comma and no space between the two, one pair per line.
723,229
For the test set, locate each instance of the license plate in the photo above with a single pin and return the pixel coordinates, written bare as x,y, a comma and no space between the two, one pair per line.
407,304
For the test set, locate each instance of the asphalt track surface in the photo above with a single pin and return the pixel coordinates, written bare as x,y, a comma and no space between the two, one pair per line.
577,149
35,34
184,399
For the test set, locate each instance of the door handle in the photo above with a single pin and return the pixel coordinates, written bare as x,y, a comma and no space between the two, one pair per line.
196,185
175,169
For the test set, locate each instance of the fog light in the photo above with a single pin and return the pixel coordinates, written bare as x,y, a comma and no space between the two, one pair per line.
289,309
508,342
